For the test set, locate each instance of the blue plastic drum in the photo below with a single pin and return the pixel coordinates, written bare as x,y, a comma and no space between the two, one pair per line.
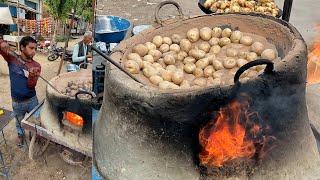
111,29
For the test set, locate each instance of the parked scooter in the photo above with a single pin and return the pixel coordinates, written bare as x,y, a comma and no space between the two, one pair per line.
55,53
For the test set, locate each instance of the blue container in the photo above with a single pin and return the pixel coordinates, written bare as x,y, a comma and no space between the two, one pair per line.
111,29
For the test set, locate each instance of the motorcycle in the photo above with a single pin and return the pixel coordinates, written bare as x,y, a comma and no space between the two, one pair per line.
56,52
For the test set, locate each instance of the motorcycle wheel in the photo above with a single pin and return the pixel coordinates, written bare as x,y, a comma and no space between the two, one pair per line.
53,57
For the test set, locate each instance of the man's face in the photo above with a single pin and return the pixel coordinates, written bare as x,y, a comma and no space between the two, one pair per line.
87,39
30,50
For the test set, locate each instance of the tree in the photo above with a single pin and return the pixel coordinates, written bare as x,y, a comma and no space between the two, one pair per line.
59,10
85,10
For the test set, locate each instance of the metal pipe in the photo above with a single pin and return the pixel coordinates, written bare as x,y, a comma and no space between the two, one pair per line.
287,6
115,63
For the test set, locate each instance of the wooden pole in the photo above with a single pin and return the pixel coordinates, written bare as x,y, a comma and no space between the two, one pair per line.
67,41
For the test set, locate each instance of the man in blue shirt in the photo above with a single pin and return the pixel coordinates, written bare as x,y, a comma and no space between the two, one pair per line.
81,51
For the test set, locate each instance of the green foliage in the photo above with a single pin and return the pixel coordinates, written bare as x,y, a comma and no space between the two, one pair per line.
85,10
59,9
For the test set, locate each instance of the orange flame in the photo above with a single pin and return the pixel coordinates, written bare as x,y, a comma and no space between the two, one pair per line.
314,62
232,134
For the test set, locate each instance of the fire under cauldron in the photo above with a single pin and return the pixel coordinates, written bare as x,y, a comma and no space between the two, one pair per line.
63,103
146,133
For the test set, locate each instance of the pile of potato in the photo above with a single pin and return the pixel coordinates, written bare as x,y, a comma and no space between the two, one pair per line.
74,86
202,57
267,7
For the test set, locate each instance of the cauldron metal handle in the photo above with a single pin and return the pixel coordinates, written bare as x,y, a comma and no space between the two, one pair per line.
160,5
268,69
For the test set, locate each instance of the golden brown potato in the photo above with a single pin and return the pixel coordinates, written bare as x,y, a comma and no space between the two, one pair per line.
185,45
136,57
216,32
182,55
189,68
232,52
217,65
167,40
140,49
150,46
166,75
161,61
260,68
269,54
208,3
177,77
200,82
251,56
252,74
164,48
176,38
242,54
171,68
198,72
224,41
146,64
193,34
202,63
155,79
214,41
241,62
246,40
133,56
218,74
158,41
257,47
197,54
229,63
226,32
204,46
148,58
149,71
208,71
175,48
189,60
156,54
236,36
210,57
215,49
132,66
205,33
169,59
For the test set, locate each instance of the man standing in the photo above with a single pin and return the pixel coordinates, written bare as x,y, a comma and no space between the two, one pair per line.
24,73
81,51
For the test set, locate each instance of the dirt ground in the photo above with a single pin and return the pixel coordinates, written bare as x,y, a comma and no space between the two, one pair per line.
50,165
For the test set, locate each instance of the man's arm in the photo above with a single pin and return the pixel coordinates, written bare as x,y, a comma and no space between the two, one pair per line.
5,51
75,53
